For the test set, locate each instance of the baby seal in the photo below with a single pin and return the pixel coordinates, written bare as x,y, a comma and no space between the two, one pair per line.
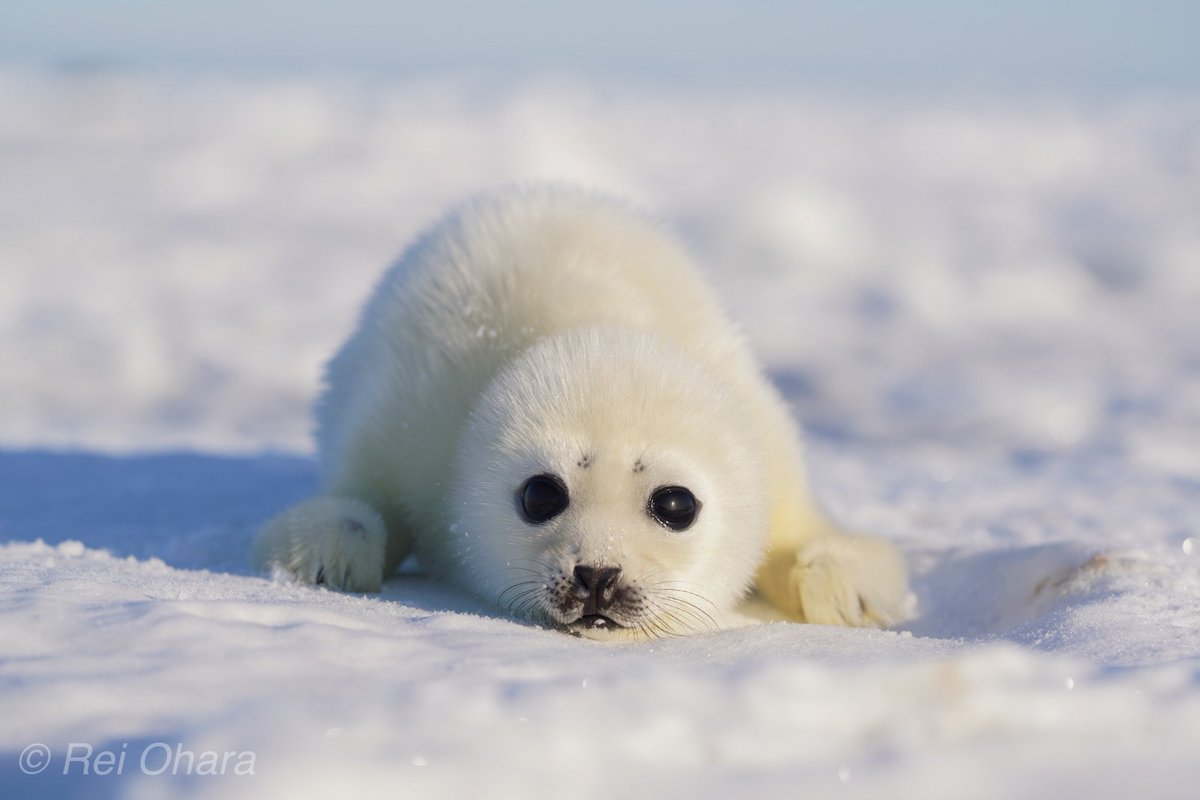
545,403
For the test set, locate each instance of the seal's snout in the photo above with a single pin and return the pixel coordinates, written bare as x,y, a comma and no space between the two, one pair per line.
597,587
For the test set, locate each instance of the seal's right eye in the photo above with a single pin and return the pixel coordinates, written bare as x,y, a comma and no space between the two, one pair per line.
543,497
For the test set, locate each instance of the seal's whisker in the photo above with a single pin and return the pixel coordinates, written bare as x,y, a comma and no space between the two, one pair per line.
539,573
521,604
685,596
693,609
527,596
523,595
676,590
510,561
655,623
667,632
678,625
700,620
524,611
514,587
671,621
645,629
540,616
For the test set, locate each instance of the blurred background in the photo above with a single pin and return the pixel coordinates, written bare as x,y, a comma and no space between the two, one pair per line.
959,223
1102,45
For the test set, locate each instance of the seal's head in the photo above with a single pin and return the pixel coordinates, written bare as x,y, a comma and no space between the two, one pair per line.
606,483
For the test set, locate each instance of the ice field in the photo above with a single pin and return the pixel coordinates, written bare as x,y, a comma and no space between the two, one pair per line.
984,312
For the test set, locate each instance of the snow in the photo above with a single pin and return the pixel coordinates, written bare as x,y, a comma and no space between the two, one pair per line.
983,310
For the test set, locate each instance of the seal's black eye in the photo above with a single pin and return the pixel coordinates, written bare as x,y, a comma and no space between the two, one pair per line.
674,506
543,497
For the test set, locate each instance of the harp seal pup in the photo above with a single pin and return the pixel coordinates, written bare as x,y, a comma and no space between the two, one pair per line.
546,404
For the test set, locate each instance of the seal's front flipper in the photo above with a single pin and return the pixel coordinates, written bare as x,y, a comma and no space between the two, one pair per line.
838,579
336,542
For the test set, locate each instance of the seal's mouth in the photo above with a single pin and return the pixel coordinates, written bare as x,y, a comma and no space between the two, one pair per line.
595,621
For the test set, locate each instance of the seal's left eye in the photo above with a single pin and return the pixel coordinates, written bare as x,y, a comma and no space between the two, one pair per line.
674,506
543,497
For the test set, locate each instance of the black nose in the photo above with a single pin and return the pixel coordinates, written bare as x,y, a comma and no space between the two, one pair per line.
600,586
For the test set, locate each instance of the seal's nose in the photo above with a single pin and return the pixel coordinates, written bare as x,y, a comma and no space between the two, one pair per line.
600,586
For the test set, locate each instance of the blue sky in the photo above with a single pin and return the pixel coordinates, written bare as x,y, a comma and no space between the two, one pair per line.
1101,44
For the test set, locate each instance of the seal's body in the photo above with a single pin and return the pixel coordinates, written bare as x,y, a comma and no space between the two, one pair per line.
546,404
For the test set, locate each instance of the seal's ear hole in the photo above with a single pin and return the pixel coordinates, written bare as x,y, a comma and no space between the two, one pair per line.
542,498
673,506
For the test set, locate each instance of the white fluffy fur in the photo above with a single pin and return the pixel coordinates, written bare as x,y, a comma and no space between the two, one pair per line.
552,331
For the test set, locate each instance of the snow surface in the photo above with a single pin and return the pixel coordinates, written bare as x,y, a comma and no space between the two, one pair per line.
984,312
